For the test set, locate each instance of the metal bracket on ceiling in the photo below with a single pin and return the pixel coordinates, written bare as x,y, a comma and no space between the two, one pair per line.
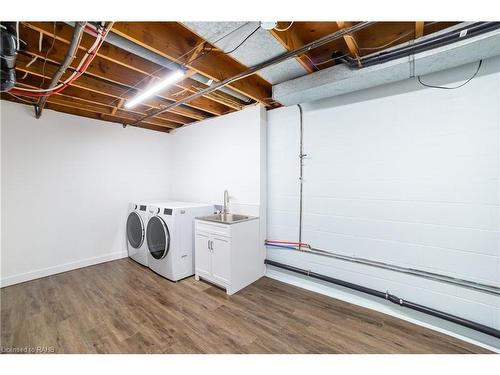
38,111
411,60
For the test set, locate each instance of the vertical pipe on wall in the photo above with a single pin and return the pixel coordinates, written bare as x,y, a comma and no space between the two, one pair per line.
301,168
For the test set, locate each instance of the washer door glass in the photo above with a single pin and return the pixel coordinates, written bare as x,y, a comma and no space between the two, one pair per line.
135,230
158,237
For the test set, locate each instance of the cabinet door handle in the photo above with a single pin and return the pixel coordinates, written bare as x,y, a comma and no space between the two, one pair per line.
208,244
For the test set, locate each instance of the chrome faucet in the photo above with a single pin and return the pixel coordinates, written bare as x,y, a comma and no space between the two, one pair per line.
226,202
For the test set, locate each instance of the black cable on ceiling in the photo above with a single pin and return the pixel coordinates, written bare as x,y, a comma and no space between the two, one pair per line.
228,52
243,41
422,44
454,87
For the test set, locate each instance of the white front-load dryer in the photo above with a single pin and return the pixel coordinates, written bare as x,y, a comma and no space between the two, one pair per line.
170,237
136,232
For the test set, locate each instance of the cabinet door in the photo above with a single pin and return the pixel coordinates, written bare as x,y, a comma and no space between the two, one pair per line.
202,254
221,259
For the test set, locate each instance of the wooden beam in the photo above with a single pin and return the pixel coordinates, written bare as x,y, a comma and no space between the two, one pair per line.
92,84
419,29
109,70
197,51
105,103
93,105
175,41
117,75
128,60
291,40
84,105
82,112
118,106
349,39
100,98
103,117
80,104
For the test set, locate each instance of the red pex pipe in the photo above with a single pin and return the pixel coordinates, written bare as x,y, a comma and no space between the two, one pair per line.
87,61
91,28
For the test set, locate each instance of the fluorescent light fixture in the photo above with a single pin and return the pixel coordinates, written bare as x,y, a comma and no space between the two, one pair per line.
170,79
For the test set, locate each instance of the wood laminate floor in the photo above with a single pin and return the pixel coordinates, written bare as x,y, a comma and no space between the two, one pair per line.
122,307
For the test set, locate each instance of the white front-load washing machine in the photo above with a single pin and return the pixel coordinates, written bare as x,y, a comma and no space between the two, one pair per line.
136,232
170,237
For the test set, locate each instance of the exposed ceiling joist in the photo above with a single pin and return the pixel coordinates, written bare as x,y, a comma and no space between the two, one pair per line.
291,40
58,103
104,100
250,44
34,81
118,106
126,78
419,29
270,62
92,84
101,116
127,59
77,103
173,41
349,39
118,66
139,54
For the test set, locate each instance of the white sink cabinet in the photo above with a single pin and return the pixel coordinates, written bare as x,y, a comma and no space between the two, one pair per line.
228,255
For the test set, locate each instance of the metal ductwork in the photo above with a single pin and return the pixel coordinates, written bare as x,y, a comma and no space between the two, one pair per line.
388,67
8,54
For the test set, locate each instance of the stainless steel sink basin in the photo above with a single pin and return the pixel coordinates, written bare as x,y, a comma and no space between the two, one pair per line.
226,218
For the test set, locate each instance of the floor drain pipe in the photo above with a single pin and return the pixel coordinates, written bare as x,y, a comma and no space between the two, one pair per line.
392,298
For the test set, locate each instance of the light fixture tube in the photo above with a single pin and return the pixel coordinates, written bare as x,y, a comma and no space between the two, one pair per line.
170,79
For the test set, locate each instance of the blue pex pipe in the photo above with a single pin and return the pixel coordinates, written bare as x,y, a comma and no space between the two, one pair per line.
281,246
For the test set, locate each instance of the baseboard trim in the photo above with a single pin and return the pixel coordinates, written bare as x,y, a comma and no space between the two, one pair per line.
43,272
343,294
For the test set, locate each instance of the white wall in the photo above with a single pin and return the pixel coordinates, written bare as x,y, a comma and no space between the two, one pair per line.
67,181
66,184
400,174
225,152
217,154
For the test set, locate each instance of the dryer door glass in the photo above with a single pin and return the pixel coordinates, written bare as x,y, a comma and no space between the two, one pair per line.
135,230
158,237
